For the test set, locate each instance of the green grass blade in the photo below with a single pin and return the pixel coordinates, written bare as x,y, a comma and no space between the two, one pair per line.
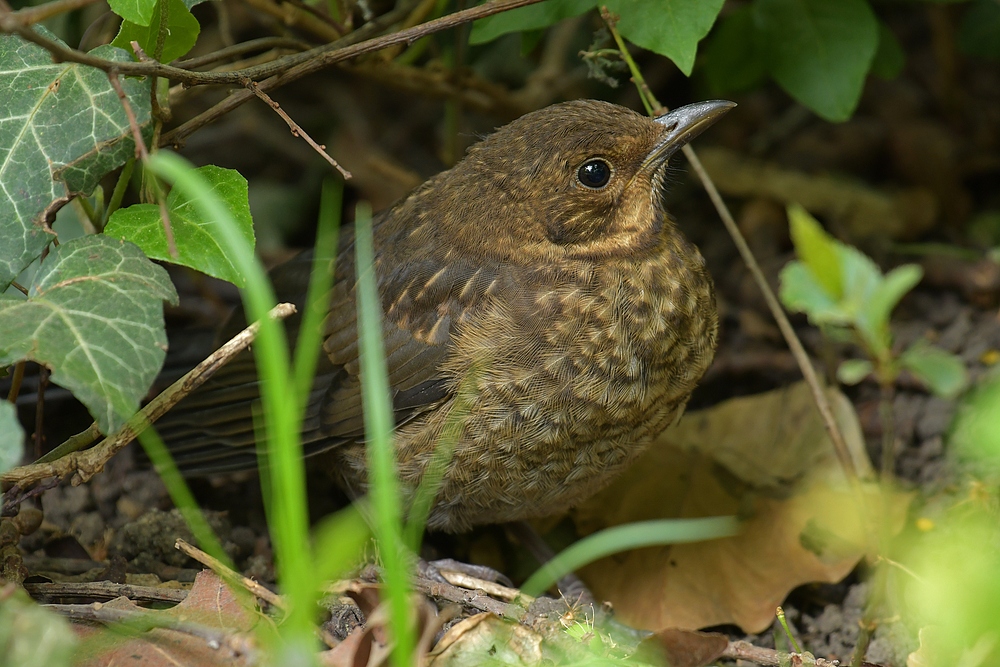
290,525
628,536
382,477
307,349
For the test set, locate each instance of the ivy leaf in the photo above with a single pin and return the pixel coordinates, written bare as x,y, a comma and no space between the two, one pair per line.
182,32
942,372
139,12
197,239
532,17
11,437
979,33
819,51
890,57
671,28
94,315
62,128
732,61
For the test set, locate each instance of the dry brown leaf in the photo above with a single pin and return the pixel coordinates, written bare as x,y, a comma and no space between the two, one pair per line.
686,648
765,458
210,604
487,638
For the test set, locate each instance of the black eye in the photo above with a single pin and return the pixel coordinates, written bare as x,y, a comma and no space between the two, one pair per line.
594,174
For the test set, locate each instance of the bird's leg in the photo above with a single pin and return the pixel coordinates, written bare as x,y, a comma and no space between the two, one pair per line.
570,586
432,570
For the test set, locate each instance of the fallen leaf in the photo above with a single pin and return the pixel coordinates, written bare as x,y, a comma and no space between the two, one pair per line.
210,605
486,638
766,459
686,648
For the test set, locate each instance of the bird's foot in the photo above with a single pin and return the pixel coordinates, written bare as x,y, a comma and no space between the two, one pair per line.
433,570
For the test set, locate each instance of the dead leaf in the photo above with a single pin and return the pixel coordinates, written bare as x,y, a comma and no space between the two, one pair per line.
211,604
686,648
354,651
766,459
487,638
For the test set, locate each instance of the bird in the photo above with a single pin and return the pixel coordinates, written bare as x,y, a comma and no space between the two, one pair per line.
541,311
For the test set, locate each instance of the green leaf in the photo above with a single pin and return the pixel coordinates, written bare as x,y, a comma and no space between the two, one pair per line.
890,57
819,51
62,128
942,372
94,315
878,307
817,249
139,12
862,281
182,32
11,438
532,17
853,371
979,34
198,240
976,433
732,61
801,292
31,635
671,28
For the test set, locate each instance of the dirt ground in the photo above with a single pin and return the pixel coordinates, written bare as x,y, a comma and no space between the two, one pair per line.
933,134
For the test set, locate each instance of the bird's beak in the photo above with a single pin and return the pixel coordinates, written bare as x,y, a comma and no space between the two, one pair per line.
684,124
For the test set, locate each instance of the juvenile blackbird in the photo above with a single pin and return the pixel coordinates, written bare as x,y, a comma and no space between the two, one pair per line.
537,299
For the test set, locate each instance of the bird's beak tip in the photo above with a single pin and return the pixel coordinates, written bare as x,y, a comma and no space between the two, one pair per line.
685,123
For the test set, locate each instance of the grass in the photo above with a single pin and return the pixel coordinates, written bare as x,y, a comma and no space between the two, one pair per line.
284,385
306,560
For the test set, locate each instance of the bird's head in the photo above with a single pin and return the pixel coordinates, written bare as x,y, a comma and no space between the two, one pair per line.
581,179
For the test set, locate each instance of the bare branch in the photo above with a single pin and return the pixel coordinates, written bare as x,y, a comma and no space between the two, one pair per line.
295,127
88,463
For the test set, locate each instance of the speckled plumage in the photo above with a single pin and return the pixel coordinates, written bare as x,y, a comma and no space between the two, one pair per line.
553,328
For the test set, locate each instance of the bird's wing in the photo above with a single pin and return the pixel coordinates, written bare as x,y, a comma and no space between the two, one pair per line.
212,430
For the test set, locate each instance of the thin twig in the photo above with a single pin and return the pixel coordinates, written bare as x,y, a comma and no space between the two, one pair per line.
794,344
262,44
294,127
887,392
237,643
43,382
15,382
104,590
743,650
215,565
74,443
29,16
294,17
491,588
86,464
177,135
303,63
142,153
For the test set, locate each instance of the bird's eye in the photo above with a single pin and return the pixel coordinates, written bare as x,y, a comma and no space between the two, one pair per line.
594,174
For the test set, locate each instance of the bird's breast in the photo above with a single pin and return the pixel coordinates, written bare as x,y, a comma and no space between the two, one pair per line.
565,377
